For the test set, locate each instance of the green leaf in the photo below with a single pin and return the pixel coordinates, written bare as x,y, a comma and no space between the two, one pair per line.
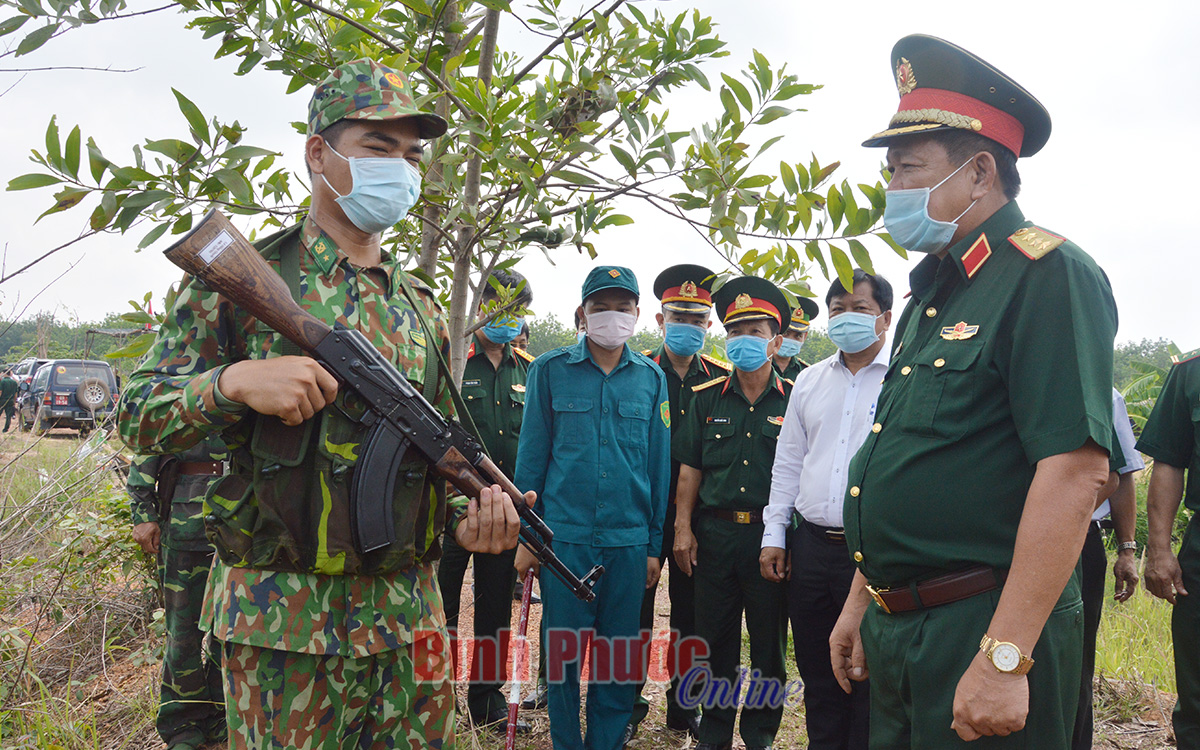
193,116
835,207
347,36
135,348
789,177
64,199
624,158
157,232
36,39
30,181
96,160
496,5
841,264
794,90
237,185
142,199
237,153
756,181
71,154
10,25
614,220
418,6
893,244
739,89
771,114
730,104
861,256
53,154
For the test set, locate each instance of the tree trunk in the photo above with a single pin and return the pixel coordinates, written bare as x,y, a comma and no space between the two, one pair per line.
461,285
431,241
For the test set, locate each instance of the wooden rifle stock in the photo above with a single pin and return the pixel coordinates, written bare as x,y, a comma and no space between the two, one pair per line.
216,253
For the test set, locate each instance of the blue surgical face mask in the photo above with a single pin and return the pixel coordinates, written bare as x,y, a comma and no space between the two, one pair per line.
747,353
683,339
906,218
381,193
790,347
853,331
580,336
502,329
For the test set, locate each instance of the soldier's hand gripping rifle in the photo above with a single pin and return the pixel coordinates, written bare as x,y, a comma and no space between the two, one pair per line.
397,417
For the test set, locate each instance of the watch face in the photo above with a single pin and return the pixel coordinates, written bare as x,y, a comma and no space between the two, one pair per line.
1006,657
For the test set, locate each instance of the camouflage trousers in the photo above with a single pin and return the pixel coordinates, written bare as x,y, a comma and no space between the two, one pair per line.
285,699
191,704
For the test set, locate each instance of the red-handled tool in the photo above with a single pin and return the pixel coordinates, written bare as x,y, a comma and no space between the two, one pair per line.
520,659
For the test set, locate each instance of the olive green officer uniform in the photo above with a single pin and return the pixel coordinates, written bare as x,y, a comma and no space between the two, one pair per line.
732,442
801,320
495,398
683,288
1002,357
1172,436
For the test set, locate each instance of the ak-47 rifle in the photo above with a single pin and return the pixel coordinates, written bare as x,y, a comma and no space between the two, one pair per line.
397,417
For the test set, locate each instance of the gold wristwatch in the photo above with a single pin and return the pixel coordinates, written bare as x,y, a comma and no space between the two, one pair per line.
1004,656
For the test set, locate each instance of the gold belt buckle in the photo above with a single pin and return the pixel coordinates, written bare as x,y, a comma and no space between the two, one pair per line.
741,516
875,594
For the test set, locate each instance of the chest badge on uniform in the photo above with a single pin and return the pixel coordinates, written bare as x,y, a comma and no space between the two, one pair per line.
518,388
418,338
775,420
959,332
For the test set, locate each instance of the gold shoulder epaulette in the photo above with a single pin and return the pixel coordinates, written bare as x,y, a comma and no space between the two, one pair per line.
1178,360
709,384
1035,243
523,354
789,381
714,361
646,352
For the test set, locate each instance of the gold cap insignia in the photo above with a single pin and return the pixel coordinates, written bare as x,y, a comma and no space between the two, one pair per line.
614,273
906,80
688,289
742,302
959,331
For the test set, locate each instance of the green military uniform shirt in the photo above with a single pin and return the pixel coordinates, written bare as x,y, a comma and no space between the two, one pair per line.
1172,433
1003,357
495,397
701,370
732,442
794,368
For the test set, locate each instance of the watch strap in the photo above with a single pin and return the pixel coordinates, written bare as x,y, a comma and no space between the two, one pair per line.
989,644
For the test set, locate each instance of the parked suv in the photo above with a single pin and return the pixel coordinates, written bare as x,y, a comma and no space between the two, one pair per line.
76,393
24,371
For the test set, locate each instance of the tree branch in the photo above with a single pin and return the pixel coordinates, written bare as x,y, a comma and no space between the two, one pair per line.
566,34
109,69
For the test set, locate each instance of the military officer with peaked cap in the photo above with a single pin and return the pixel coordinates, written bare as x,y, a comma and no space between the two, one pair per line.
787,361
969,502
1172,437
685,292
725,445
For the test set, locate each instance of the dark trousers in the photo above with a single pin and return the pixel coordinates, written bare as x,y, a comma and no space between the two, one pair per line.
821,576
494,581
683,621
192,699
729,584
9,412
1093,564
1185,632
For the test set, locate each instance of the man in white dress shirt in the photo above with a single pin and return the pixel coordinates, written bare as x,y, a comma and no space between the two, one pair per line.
829,414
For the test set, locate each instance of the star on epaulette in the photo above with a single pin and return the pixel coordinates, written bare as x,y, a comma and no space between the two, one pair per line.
709,384
646,352
1035,243
1180,359
714,361
523,354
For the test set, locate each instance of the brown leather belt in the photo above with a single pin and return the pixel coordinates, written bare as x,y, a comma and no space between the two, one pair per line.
935,592
737,516
826,533
206,468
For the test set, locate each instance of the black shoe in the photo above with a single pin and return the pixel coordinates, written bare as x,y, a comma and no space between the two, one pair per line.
497,721
758,747
628,734
689,723
716,746
538,699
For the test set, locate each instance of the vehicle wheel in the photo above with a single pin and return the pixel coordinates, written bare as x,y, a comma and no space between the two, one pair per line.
93,393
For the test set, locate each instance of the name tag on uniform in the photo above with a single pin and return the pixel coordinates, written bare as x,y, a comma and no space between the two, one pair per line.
717,420
469,383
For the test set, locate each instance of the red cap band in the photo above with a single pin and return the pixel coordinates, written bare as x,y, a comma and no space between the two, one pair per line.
995,124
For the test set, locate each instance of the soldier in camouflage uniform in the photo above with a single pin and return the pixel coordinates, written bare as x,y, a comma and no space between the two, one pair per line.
325,645
191,709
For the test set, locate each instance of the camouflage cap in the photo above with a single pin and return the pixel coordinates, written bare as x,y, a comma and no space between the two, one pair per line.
365,90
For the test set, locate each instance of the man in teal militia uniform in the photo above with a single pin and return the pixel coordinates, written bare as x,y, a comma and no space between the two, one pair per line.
787,361
1172,437
969,502
725,445
191,705
685,292
493,388
595,446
